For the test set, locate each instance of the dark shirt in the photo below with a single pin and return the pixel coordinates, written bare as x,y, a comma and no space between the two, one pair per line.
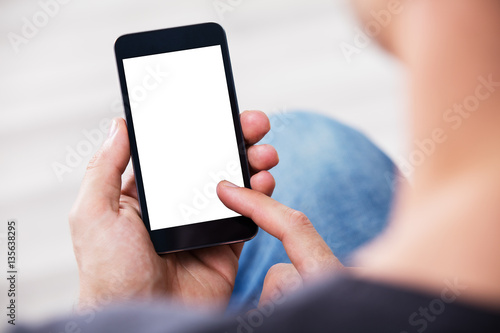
342,304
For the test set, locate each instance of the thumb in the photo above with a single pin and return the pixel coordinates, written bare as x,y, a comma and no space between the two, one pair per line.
101,186
280,280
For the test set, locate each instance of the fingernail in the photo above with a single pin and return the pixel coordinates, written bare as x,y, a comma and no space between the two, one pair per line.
228,184
113,128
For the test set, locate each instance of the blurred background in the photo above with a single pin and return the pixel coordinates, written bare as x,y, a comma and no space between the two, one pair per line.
59,87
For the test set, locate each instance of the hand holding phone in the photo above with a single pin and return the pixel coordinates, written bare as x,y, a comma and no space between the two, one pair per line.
116,258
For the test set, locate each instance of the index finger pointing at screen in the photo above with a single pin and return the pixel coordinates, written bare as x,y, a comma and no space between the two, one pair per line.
306,249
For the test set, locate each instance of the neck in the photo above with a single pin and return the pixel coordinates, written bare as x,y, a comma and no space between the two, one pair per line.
450,235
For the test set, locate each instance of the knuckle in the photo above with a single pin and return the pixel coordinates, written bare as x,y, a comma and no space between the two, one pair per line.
297,219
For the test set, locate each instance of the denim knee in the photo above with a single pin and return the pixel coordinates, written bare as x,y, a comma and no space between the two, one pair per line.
335,175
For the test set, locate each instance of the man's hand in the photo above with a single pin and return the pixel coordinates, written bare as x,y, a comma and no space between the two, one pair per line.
115,256
310,255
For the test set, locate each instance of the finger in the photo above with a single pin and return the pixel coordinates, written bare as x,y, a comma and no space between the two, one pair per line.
255,126
101,186
306,249
219,259
280,280
130,204
263,182
262,157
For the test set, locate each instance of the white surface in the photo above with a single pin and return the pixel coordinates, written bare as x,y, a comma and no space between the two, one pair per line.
59,90
184,133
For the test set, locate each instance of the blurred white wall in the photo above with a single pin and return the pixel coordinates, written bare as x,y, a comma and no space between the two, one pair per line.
62,82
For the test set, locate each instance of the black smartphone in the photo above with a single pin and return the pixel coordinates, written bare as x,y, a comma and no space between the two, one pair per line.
185,134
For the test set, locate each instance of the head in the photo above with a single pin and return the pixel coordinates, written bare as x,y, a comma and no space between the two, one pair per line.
408,27
381,18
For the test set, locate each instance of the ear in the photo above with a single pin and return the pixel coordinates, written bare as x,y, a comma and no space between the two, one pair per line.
381,21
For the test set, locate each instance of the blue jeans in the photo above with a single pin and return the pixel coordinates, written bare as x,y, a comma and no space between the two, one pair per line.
332,173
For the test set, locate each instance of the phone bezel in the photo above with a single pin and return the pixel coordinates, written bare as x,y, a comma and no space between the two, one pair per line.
203,234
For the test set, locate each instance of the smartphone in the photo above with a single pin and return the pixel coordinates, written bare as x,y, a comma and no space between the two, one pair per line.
185,134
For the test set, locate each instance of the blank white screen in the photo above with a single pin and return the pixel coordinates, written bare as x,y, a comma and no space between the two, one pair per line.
185,134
